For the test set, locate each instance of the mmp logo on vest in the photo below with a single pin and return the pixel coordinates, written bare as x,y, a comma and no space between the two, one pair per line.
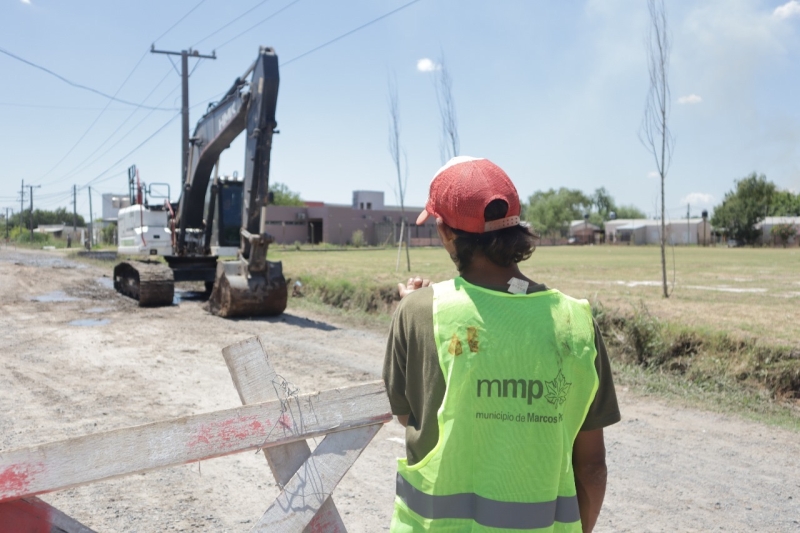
532,389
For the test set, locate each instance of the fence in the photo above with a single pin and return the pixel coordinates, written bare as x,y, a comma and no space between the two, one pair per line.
274,418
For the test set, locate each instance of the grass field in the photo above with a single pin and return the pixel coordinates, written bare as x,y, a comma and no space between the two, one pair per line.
754,293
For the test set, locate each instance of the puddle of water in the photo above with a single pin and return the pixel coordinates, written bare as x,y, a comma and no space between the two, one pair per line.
182,295
106,283
90,322
55,296
98,310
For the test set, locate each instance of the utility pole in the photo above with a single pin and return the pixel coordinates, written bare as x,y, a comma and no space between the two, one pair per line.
688,226
30,188
6,224
91,220
185,54
21,202
74,208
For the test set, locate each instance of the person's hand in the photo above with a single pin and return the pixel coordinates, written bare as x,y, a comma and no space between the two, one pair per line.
412,285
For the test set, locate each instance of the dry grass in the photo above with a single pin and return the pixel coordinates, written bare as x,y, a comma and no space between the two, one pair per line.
746,292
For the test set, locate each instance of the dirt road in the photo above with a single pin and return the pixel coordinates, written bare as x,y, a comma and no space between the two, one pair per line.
77,358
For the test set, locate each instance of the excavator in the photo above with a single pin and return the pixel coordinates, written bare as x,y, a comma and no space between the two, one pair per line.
225,211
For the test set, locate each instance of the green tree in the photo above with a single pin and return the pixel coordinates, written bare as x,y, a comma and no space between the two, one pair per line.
550,212
743,207
44,217
785,204
282,195
603,202
629,211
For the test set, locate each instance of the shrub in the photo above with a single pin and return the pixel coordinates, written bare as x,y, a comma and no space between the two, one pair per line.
357,239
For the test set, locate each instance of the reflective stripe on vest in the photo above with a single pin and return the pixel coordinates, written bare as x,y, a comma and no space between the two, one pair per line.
489,513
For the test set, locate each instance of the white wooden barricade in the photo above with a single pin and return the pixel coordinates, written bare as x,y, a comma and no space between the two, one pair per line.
273,418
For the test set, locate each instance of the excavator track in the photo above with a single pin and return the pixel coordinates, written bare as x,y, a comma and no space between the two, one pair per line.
150,282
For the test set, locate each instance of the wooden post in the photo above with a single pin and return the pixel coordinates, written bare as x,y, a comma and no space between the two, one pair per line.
256,381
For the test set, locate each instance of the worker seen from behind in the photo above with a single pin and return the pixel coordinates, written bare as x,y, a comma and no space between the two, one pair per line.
503,384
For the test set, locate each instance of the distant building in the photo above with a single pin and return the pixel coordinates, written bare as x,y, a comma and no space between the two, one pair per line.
582,232
112,203
648,231
766,225
368,200
317,222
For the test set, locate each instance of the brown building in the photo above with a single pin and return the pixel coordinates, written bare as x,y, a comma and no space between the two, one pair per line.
318,222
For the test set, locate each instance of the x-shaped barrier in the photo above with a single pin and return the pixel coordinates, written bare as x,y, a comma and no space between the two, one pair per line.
274,418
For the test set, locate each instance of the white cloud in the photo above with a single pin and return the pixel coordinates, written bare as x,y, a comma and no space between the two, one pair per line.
25,1
787,10
653,174
427,65
690,99
698,199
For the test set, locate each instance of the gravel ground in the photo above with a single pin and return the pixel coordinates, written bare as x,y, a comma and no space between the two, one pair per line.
77,358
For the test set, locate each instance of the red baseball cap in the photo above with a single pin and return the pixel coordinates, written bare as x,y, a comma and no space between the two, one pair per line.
461,190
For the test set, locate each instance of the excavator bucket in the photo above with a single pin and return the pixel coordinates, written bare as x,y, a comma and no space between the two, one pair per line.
237,294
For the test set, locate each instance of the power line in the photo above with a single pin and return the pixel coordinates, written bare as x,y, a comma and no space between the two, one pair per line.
179,21
261,3
159,130
257,24
97,118
109,137
79,86
71,108
371,22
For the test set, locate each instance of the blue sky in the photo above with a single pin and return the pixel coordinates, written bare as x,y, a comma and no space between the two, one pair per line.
551,91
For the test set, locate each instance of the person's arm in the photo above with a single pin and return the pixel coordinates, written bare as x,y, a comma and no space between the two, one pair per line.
589,463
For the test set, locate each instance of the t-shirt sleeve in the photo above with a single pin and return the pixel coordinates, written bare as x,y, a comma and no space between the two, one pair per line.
604,410
394,363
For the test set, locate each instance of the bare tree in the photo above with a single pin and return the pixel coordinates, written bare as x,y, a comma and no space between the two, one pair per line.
395,151
654,132
449,145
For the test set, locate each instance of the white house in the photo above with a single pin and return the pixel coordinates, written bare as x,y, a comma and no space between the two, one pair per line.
648,231
766,225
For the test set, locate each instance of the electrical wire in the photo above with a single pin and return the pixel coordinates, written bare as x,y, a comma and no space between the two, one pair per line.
178,22
109,137
97,179
97,118
78,85
69,108
262,2
114,96
257,24
371,22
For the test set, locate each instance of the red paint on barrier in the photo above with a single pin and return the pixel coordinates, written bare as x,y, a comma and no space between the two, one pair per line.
20,516
16,479
227,433
324,522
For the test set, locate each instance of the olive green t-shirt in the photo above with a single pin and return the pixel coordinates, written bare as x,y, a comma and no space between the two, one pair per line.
416,386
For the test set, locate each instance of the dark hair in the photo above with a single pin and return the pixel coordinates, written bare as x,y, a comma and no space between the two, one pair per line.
502,247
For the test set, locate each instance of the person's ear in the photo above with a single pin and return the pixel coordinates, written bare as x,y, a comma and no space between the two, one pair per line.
446,233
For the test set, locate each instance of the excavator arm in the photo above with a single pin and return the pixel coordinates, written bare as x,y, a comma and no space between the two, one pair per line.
246,105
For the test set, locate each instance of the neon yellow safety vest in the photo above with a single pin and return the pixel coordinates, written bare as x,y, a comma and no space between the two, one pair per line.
520,377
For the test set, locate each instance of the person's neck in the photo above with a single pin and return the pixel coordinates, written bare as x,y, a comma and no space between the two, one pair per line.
484,273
